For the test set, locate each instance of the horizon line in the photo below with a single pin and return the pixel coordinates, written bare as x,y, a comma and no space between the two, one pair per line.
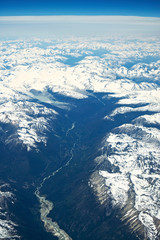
88,19
79,15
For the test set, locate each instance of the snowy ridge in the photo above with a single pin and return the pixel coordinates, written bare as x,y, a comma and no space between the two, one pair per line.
129,173
33,72
29,68
142,71
7,226
30,119
149,119
134,156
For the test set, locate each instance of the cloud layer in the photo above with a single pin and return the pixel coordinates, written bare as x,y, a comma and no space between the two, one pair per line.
62,26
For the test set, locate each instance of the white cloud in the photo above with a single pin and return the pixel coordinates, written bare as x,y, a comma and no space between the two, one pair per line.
133,20
68,26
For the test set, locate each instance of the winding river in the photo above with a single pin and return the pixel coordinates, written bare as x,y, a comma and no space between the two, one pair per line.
46,206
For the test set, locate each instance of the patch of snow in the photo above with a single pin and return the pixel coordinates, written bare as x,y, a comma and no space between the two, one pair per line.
7,226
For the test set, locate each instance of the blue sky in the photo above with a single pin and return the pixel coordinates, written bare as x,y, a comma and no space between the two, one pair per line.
150,8
55,26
